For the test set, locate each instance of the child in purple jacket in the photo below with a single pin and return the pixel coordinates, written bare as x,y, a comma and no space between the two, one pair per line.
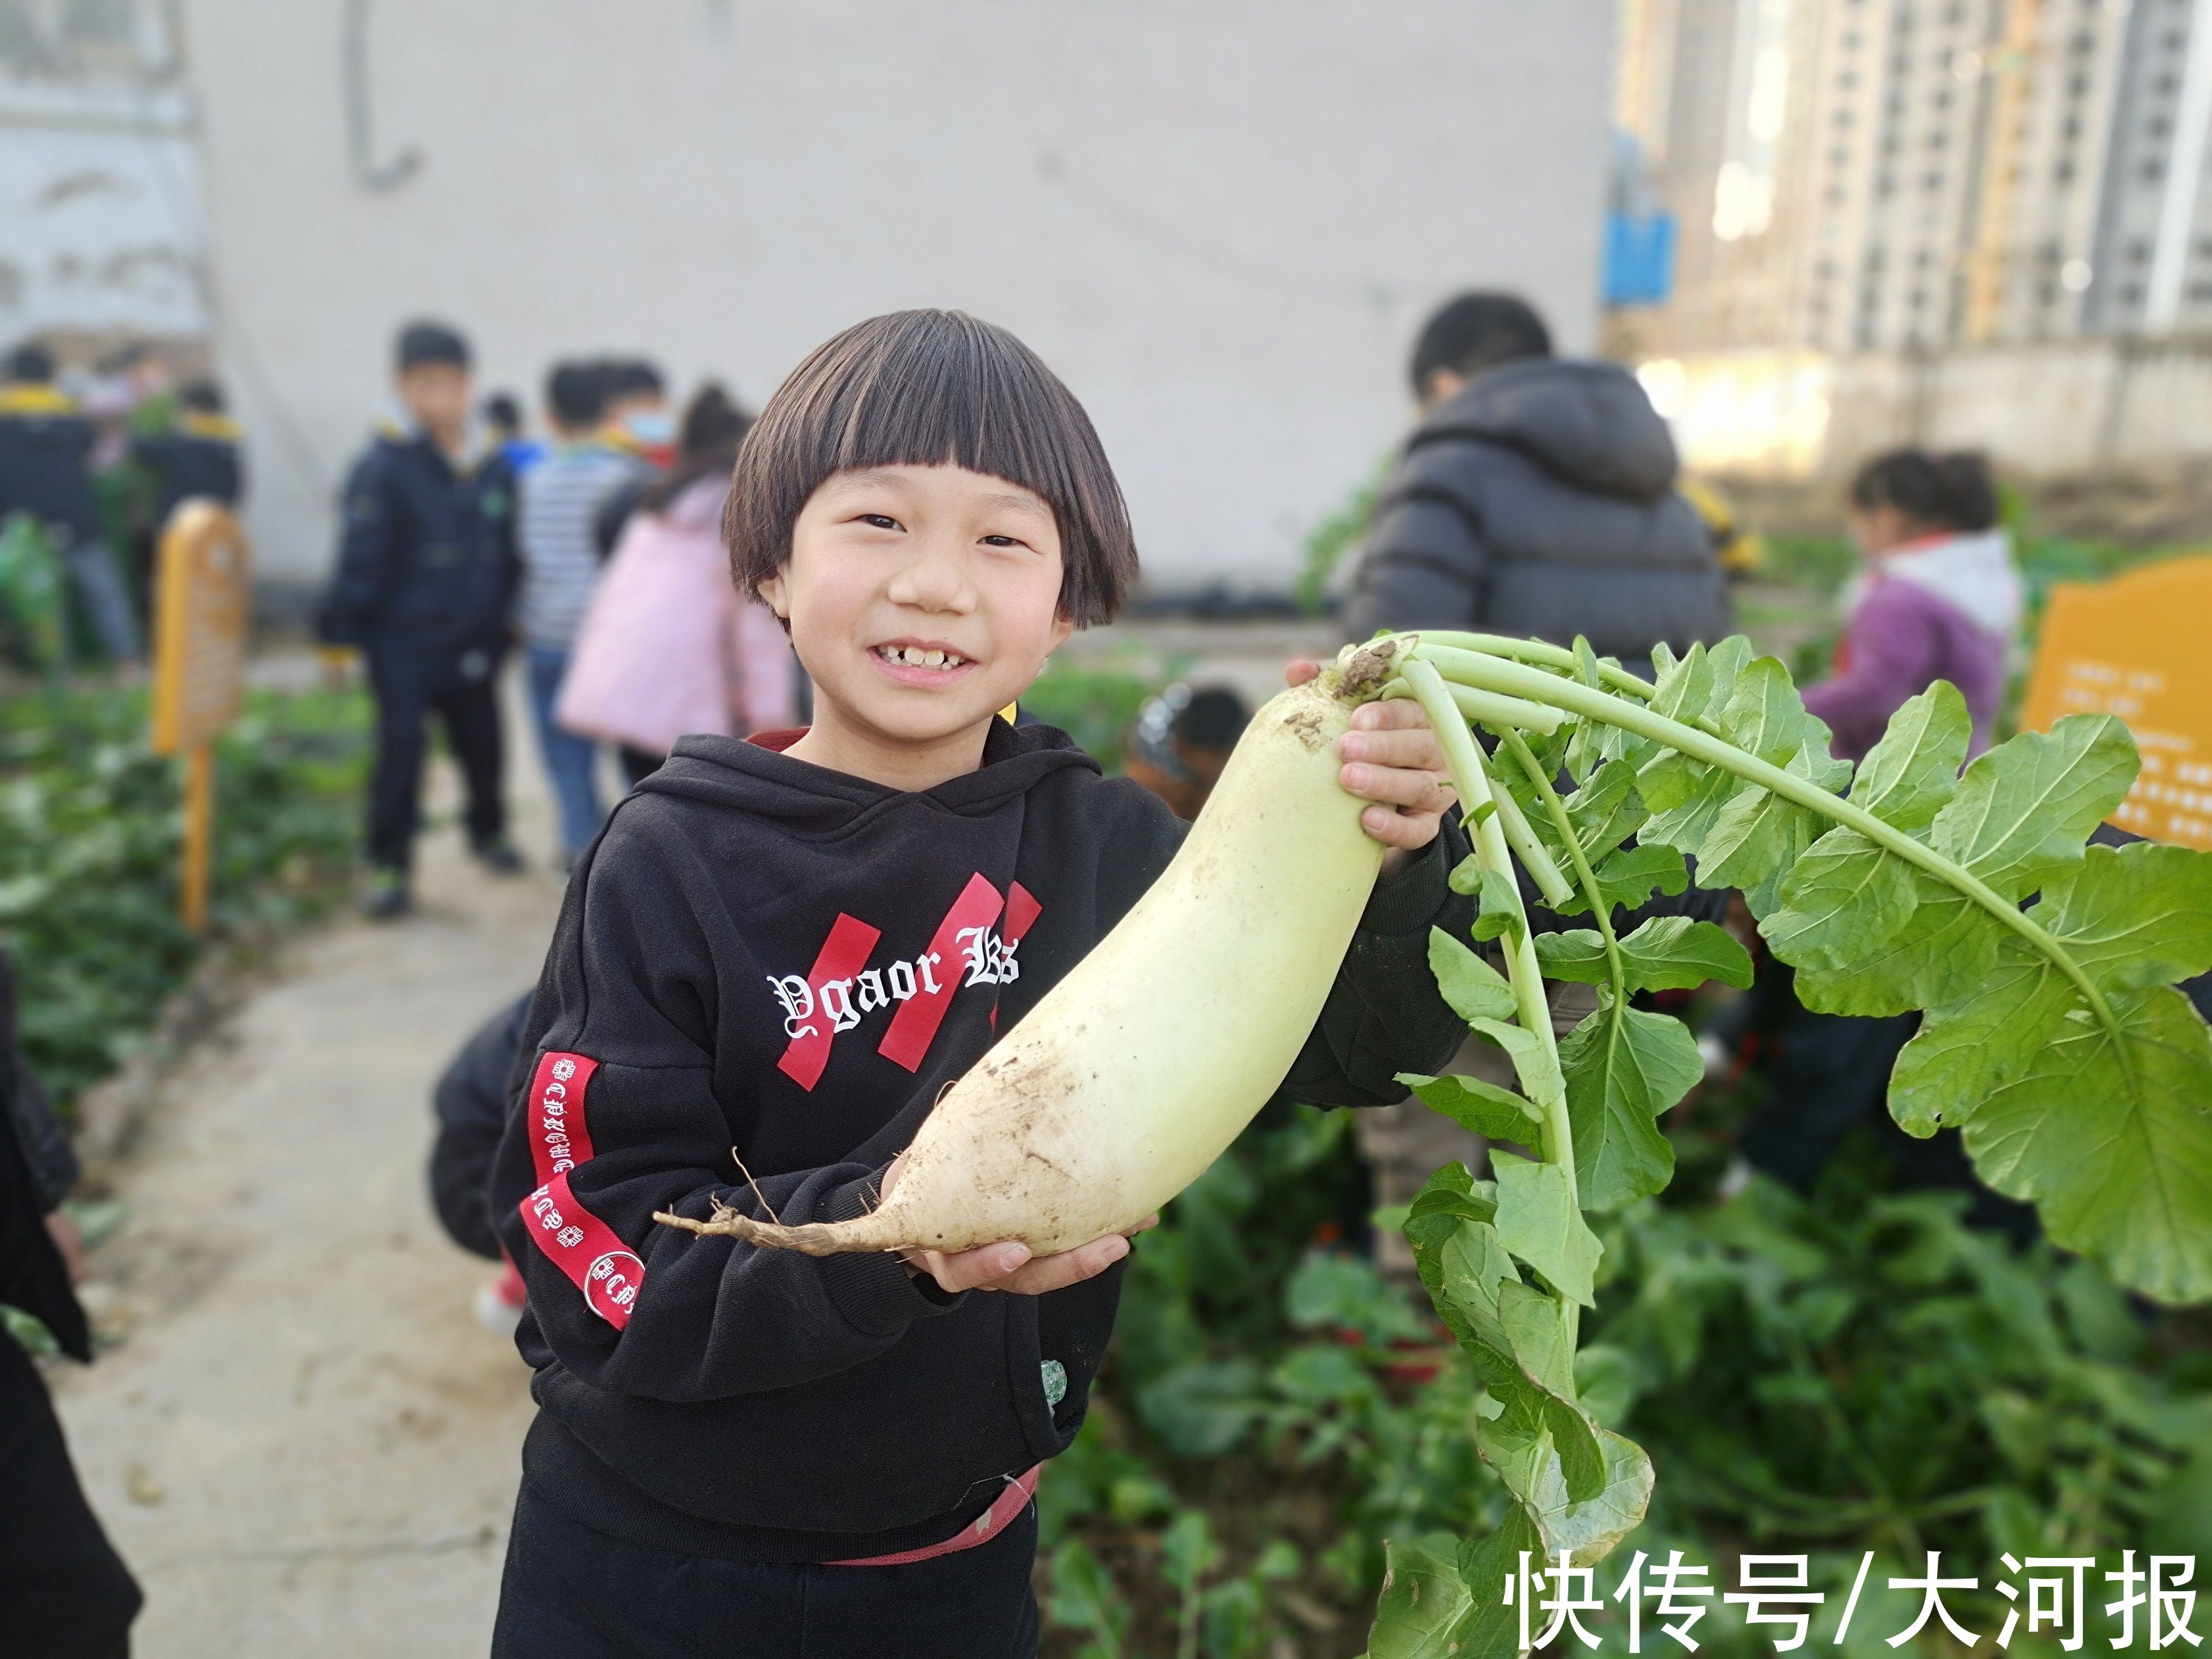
1939,599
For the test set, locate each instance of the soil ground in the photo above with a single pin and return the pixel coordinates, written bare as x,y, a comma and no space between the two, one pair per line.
301,1439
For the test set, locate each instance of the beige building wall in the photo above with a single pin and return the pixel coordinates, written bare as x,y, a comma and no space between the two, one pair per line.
1222,224
2053,408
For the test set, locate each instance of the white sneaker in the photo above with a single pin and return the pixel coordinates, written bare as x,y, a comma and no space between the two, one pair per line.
494,1312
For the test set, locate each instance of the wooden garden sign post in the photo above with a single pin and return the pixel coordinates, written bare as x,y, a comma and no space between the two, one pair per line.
2139,648
199,660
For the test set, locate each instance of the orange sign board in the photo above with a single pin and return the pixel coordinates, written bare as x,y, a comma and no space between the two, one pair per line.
2136,647
199,641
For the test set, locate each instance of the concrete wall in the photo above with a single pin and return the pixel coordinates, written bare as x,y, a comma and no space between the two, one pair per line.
1220,223
2064,407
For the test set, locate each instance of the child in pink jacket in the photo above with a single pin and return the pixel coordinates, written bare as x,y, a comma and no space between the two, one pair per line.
670,647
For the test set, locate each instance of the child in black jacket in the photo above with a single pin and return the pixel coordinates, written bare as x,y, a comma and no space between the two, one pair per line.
426,575
782,951
198,459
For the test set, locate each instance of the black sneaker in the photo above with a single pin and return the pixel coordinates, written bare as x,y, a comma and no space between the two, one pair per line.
499,858
385,899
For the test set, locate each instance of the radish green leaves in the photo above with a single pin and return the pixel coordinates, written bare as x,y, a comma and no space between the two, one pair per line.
2052,1039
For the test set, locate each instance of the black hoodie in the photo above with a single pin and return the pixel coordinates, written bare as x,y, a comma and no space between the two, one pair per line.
762,959
1539,500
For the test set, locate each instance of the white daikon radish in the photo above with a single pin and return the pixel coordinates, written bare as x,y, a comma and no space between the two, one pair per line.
1139,1067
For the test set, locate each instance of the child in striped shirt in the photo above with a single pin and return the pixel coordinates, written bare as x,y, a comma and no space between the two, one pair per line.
559,566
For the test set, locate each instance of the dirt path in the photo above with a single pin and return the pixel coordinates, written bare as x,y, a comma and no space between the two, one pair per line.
305,1443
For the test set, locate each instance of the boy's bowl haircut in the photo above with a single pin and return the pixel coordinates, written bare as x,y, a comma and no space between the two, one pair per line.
933,388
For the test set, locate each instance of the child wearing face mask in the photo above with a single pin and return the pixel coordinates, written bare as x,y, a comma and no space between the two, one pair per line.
638,417
782,950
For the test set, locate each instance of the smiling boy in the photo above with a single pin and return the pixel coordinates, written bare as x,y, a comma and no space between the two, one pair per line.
782,950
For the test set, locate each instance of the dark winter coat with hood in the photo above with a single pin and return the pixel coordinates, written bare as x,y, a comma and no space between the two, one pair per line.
1539,500
765,960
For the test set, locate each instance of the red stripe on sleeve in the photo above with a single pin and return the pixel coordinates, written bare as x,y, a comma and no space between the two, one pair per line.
844,954
559,1138
606,1270
914,1028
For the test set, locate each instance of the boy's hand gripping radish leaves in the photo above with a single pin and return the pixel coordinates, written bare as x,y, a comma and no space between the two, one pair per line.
2054,1040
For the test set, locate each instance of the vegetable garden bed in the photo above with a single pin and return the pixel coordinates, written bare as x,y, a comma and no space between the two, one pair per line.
90,832
1887,1383
1852,1370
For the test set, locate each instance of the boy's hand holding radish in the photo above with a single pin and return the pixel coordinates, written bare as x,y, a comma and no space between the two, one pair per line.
1009,1267
1392,758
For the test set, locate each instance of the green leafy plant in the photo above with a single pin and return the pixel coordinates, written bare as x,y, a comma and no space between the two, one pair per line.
91,828
1265,1377
1334,536
33,605
2053,1038
1858,1369
1845,1370
1094,703
1084,1598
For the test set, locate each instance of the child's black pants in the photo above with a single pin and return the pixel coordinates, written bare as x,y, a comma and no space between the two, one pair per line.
571,1593
65,1593
409,689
